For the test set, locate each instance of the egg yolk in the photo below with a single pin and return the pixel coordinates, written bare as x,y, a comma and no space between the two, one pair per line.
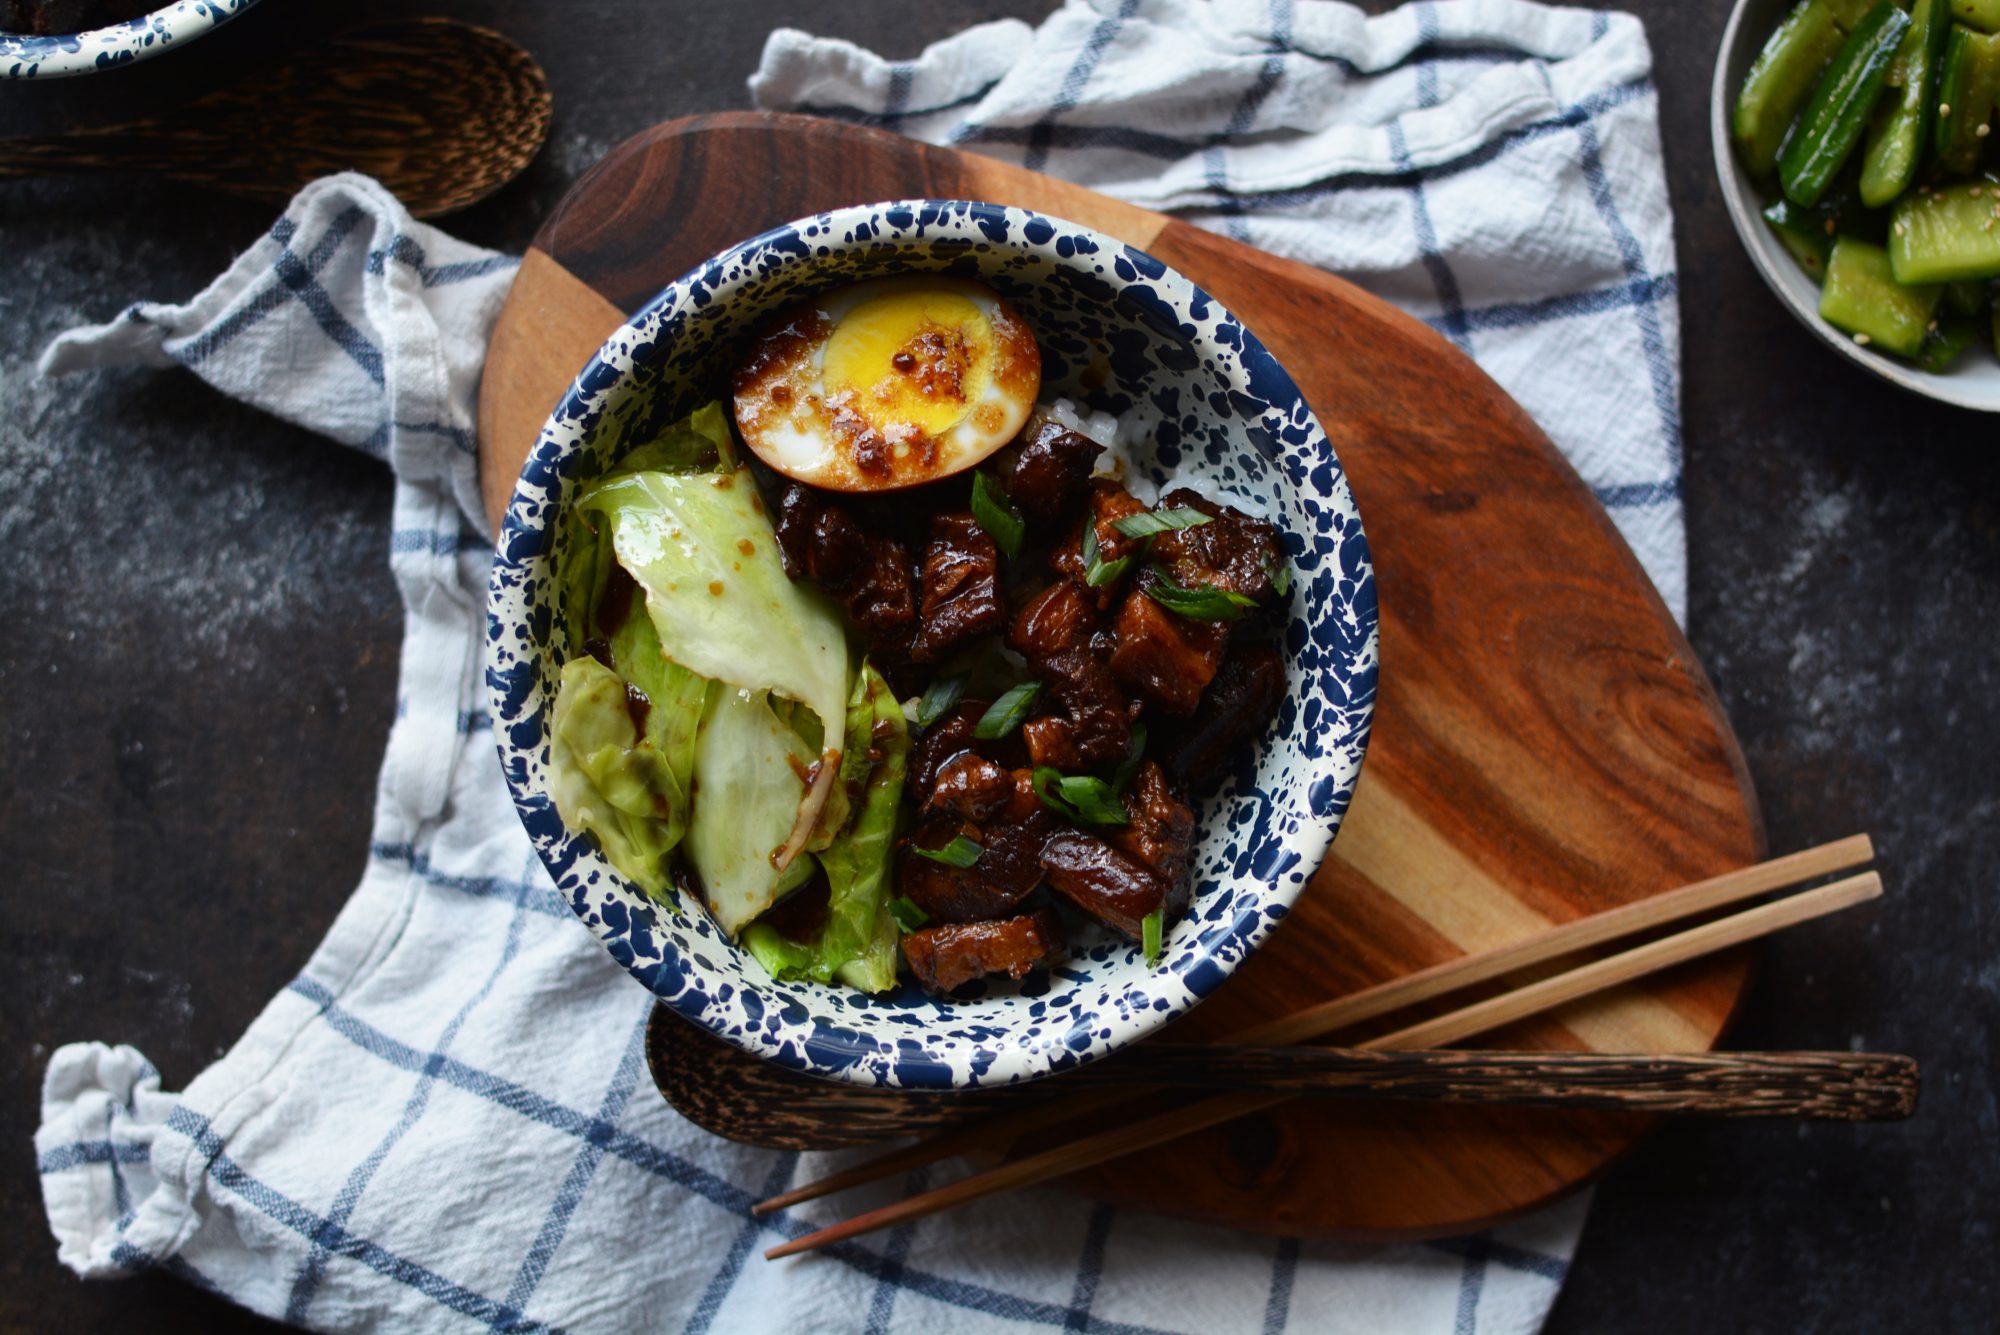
906,360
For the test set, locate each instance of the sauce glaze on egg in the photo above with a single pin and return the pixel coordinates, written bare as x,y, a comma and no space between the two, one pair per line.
887,383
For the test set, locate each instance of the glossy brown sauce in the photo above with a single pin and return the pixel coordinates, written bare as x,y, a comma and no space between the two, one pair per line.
801,915
637,708
615,603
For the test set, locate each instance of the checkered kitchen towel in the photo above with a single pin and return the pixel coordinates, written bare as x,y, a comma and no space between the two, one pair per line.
443,1123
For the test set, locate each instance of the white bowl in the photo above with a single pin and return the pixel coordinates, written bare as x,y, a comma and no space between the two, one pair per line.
97,49
1121,331
1974,382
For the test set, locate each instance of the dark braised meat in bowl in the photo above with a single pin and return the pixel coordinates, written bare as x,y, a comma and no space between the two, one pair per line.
1123,653
886,667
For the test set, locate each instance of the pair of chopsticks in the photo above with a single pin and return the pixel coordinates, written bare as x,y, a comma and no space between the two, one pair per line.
1128,1137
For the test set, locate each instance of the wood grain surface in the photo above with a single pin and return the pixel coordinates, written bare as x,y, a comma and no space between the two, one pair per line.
733,1093
1545,743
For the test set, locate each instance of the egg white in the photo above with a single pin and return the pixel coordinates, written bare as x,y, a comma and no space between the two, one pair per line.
874,436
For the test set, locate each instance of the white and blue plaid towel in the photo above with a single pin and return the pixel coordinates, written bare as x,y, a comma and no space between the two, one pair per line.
444,1122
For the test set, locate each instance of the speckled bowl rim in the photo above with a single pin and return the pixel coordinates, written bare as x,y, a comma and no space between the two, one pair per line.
818,1049
1969,385
97,49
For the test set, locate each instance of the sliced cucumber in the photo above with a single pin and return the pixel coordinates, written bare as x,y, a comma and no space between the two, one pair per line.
1953,335
1780,81
1837,113
1968,78
1965,298
1847,13
1947,235
1804,233
1901,126
1981,14
1861,295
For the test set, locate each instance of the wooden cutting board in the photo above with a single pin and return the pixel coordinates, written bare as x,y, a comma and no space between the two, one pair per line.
1545,744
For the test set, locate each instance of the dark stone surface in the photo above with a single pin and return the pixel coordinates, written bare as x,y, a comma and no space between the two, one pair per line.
198,675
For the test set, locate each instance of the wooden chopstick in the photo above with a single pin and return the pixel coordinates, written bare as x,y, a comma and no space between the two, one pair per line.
1642,915
1827,1086
1130,1137
1426,984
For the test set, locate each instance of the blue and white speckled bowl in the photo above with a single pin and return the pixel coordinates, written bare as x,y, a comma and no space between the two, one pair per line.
1222,416
87,52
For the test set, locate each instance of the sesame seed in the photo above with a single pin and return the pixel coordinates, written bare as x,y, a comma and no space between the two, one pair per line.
1974,192
1986,226
1829,227
1931,328
1944,108
1900,229
1863,340
1983,131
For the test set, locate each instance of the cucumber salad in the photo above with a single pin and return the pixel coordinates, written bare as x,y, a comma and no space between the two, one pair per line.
1870,120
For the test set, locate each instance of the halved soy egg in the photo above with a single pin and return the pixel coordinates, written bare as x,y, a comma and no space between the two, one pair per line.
887,383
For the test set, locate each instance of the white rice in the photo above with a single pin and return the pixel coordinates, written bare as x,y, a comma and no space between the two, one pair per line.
1117,435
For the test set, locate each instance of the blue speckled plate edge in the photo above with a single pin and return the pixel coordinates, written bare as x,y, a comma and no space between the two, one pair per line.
96,49
802,1041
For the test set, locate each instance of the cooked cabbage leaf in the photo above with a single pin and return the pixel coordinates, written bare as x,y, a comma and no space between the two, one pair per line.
702,547
747,764
610,781
698,443
730,747
857,945
629,782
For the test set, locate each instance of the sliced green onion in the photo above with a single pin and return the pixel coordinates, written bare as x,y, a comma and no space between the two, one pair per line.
1007,713
1148,522
906,913
1281,579
997,515
1097,572
1204,602
1047,783
1151,929
1128,768
1080,797
960,852
939,697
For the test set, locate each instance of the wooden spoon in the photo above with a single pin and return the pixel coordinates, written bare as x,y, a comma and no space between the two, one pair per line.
744,1098
442,113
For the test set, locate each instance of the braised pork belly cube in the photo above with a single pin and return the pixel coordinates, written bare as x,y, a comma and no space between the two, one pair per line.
1161,831
1232,551
1059,617
1109,503
1024,803
1108,883
1046,471
1051,741
944,739
1008,869
961,588
968,786
1091,720
947,956
1163,656
1238,704
883,601
818,541
870,576
1097,710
